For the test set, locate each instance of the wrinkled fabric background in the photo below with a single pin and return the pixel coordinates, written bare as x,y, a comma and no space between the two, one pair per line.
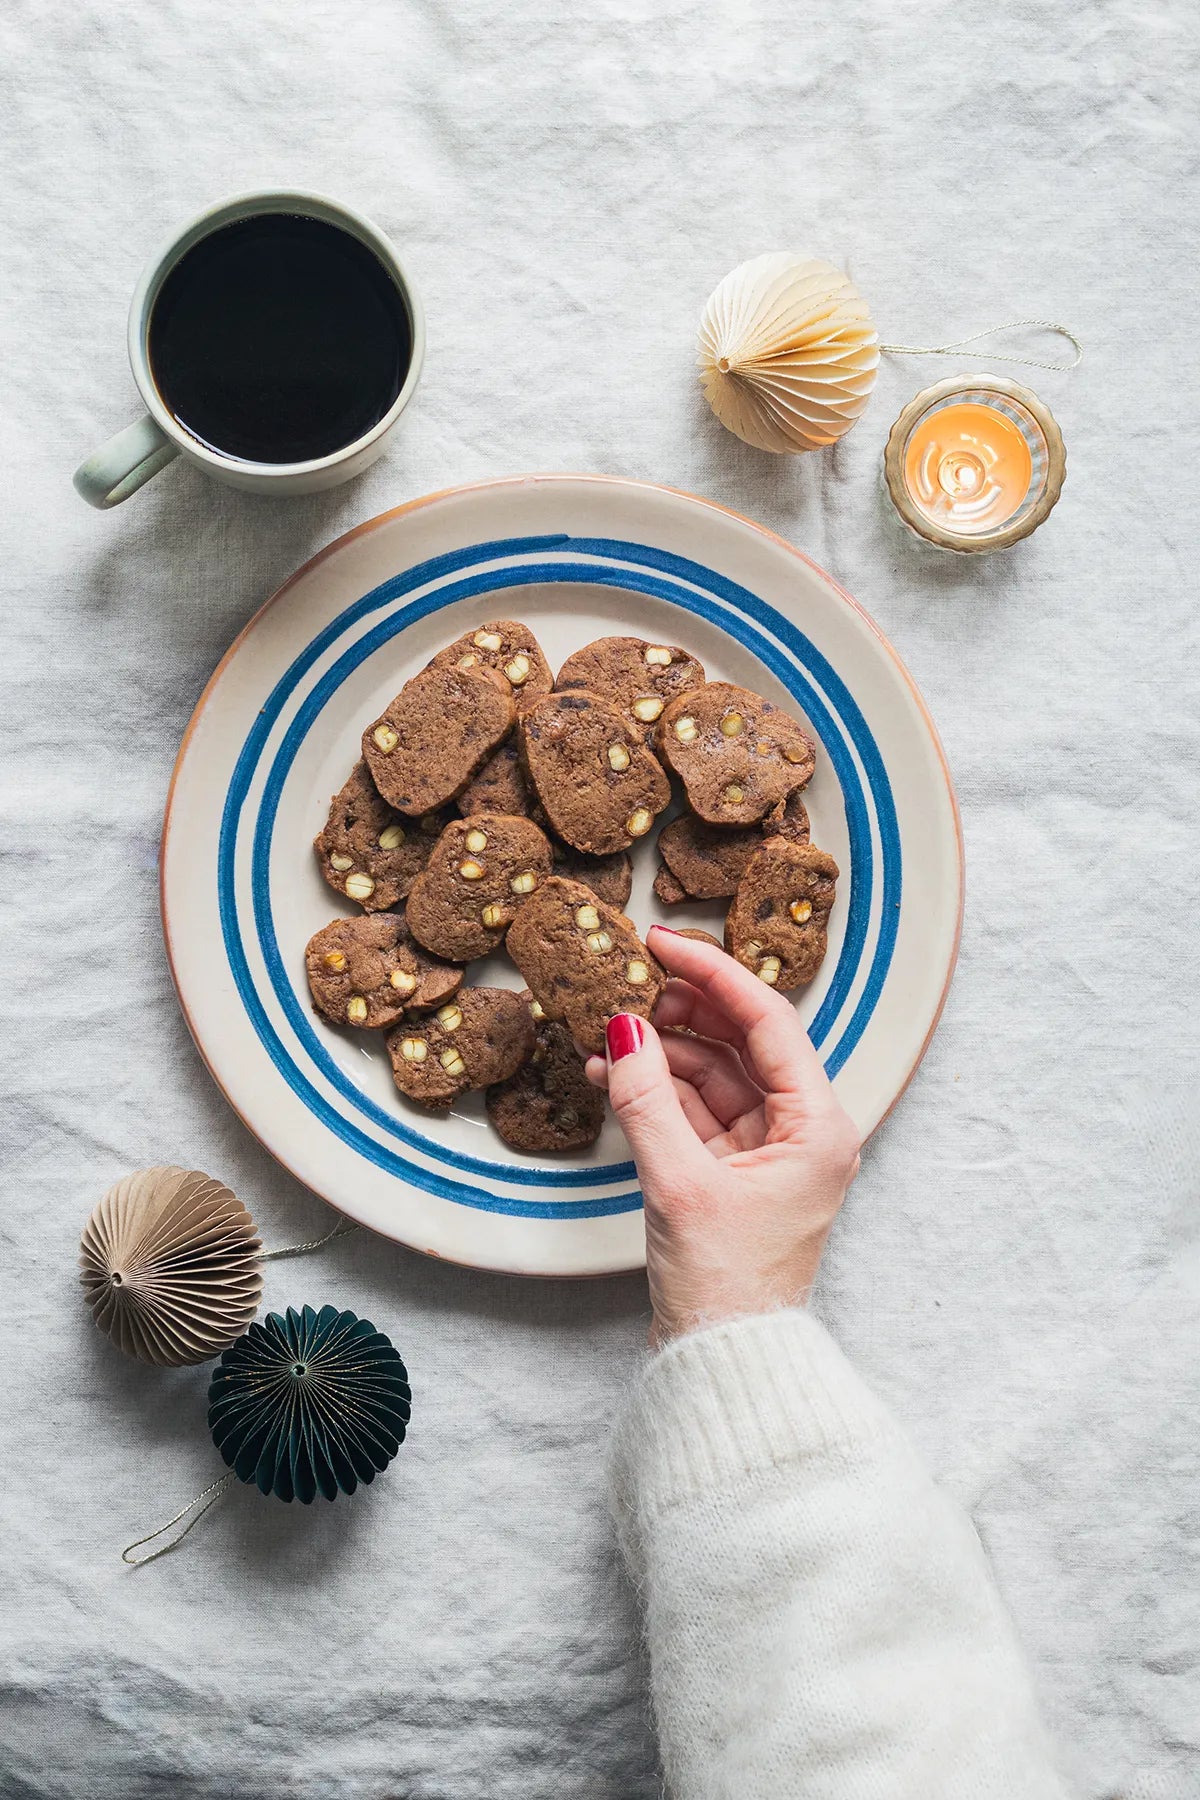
1017,1267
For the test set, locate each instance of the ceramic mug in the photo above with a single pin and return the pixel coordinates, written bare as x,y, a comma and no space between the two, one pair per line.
128,460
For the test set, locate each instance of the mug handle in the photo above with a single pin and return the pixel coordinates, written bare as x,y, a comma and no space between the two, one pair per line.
123,465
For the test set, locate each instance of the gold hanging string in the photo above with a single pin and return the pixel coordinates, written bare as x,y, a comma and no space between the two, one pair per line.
210,1496
343,1228
1031,362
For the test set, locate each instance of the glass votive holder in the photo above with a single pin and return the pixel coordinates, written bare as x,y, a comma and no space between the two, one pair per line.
974,463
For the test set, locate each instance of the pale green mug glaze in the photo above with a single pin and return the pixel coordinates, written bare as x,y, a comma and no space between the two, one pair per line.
128,460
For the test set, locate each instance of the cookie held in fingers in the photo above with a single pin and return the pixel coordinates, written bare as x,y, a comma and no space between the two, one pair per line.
480,1037
369,852
510,649
583,960
440,729
599,785
549,1106
701,937
639,678
778,923
737,754
367,971
481,872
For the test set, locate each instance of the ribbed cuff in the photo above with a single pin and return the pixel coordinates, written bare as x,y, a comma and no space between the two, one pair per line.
728,1401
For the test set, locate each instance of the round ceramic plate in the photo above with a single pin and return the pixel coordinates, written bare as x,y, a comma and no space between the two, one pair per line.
278,729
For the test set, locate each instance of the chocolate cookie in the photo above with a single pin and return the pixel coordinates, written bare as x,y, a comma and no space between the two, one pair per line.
367,971
499,786
595,778
737,754
368,852
640,679
788,820
583,960
481,872
480,1037
778,923
549,1104
701,937
509,648
609,876
707,862
668,888
438,731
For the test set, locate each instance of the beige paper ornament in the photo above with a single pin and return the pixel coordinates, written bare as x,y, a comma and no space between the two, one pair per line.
171,1265
787,352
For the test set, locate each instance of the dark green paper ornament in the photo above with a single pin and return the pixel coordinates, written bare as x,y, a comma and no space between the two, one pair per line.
309,1403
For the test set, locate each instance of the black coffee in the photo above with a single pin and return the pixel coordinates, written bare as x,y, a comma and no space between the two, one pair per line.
279,339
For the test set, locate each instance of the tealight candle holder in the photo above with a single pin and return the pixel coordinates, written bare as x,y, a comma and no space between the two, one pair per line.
974,463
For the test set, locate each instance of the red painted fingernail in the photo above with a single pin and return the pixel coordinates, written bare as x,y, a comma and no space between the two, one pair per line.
670,931
624,1034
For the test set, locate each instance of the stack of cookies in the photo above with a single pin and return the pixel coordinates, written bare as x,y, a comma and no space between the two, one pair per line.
495,806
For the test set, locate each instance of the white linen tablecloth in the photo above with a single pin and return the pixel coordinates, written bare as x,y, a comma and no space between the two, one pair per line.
1017,1267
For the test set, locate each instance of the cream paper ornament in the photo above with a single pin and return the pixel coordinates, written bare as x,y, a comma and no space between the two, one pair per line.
171,1265
787,352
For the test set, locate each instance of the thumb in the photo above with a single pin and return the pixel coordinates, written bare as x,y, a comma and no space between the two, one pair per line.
643,1096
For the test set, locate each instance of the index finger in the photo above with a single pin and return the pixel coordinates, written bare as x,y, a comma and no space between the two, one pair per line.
781,1048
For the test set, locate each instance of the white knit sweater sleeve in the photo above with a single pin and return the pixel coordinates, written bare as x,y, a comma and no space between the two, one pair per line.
820,1616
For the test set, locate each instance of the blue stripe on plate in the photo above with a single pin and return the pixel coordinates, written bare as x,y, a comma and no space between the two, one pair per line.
737,625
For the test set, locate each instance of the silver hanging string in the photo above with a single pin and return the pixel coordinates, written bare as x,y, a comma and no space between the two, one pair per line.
210,1496
1030,362
343,1228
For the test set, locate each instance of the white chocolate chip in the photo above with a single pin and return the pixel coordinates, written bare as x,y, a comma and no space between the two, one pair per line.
359,887
517,670
524,883
403,982
386,738
391,837
768,970
687,730
414,1050
356,1009
587,918
449,1017
452,1062
493,915
618,757
637,972
752,952
471,871
733,795
468,661
731,724
600,942
341,863
488,640
647,708
658,656
335,960
639,821
801,911
537,1009
796,753
476,841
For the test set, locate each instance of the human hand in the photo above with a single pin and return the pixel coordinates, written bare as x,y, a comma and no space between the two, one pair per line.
744,1153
